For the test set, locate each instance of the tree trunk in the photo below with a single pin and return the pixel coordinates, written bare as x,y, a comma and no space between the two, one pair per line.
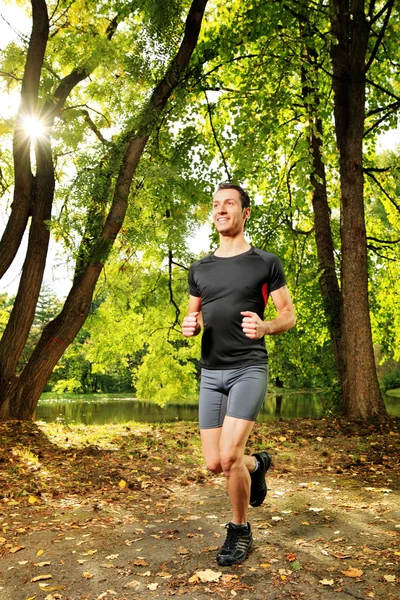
362,396
328,279
24,180
19,395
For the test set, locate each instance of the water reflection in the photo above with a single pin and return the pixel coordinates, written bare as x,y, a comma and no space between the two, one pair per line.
120,410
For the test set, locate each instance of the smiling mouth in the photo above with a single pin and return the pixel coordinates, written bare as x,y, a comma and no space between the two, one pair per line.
222,220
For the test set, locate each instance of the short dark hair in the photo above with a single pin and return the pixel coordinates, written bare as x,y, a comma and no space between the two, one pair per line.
244,197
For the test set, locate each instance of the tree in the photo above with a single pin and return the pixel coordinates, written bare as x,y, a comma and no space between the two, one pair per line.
80,45
272,125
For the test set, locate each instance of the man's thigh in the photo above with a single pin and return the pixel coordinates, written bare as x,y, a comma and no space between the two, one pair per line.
234,436
247,390
213,399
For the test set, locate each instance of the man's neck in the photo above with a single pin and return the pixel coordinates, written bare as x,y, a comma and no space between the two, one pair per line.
231,246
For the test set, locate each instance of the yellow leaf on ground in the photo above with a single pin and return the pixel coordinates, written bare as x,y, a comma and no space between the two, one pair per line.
39,552
41,578
352,572
228,578
87,575
32,500
122,484
16,549
326,581
208,575
389,578
91,551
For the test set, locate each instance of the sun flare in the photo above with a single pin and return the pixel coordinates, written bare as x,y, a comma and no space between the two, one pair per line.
33,127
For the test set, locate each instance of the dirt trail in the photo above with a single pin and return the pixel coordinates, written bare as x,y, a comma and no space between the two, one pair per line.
135,516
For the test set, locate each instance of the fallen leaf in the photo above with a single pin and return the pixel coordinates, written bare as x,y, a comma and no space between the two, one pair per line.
390,578
352,572
152,586
140,562
208,575
16,549
132,584
210,549
32,500
291,557
91,551
326,581
112,557
87,575
122,484
41,578
43,564
341,556
228,578
39,552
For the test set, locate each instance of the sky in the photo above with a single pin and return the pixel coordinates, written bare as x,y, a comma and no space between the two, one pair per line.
57,276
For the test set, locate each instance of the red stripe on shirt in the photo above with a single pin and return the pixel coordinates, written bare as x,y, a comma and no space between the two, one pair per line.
264,291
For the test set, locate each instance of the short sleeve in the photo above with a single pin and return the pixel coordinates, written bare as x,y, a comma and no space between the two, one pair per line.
193,289
277,277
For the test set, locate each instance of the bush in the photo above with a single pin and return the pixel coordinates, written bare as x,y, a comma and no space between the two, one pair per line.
391,379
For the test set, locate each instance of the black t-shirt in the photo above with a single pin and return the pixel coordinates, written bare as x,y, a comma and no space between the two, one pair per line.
226,287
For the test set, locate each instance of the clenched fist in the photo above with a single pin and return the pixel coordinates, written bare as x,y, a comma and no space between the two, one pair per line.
191,325
252,326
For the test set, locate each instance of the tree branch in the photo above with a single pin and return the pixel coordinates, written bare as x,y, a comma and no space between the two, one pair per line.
216,138
383,190
171,292
388,7
382,89
94,127
385,242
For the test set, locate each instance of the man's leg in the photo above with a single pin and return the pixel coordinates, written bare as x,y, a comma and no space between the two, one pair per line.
236,465
210,439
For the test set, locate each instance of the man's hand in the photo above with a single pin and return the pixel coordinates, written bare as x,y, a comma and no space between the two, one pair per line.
253,327
191,325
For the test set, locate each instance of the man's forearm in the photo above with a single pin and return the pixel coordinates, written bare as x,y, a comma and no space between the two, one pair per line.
283,322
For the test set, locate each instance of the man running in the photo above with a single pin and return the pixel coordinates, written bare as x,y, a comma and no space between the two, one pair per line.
228,293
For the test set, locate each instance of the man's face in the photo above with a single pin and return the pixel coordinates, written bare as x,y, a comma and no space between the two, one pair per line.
227,213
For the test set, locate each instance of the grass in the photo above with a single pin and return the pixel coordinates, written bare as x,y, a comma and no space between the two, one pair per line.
395,392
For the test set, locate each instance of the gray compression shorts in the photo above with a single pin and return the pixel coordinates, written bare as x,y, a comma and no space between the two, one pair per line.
238,393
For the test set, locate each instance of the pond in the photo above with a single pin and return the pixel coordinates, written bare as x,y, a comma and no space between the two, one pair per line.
111,409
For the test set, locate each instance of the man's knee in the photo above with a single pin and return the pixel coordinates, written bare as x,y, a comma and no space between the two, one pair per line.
230,460
214,466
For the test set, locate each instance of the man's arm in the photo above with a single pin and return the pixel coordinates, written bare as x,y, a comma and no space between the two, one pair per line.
254,328
192,324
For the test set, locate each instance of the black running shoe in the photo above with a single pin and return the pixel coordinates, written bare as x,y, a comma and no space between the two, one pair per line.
237,545
258,489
